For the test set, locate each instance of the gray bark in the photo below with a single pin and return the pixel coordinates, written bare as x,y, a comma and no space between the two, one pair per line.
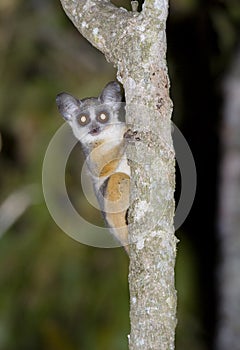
229,215
136,44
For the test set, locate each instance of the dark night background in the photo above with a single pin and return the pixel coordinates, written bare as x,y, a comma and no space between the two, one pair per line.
58,294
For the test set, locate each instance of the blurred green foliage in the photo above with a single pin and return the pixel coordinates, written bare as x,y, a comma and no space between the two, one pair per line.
55,293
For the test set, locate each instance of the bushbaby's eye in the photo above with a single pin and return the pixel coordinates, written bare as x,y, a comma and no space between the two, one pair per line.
103,117
83,119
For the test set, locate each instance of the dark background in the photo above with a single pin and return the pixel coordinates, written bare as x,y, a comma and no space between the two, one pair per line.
56,293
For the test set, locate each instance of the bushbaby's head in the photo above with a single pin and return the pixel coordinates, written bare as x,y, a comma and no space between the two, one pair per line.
91,117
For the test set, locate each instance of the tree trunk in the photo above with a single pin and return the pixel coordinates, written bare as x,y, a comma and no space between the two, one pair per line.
136,44
229,216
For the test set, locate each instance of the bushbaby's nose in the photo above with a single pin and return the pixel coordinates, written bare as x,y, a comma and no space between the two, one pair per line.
95,130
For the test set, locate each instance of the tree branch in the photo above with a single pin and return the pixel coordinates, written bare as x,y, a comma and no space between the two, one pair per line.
158,8
99,21
136,44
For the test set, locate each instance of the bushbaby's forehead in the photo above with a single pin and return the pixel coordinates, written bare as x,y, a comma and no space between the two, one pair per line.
95,105
90,102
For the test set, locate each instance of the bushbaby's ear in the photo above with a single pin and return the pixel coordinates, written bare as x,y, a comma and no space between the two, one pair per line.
111,93
67,105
